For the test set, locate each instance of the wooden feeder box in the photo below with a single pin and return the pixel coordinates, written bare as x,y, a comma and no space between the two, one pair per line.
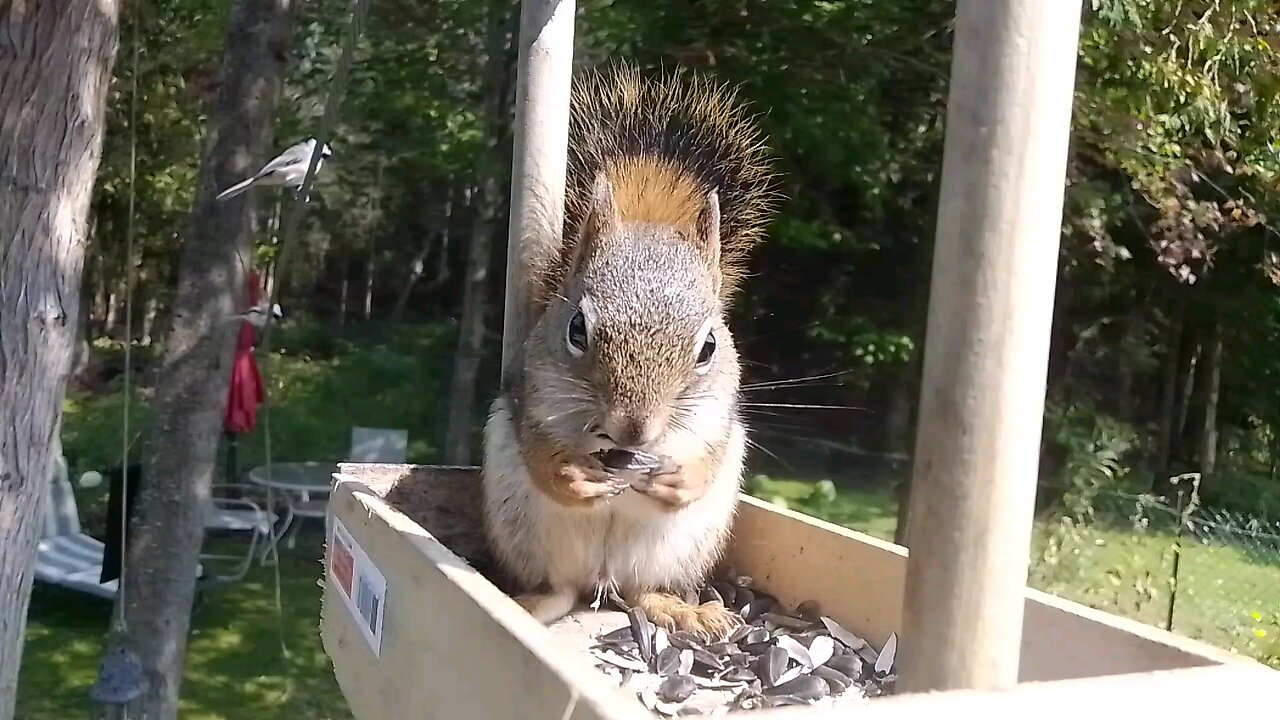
449,644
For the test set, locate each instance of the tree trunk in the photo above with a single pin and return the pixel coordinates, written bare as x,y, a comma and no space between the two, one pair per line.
419,263
488,206
1212,378
55,68
181,450
1168,403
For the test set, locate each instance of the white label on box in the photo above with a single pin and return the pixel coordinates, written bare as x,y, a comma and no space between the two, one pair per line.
359,582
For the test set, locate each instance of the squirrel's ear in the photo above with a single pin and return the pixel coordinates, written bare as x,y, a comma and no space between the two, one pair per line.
600,219
708,231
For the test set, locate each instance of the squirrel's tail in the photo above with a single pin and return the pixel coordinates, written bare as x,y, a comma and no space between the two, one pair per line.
664,142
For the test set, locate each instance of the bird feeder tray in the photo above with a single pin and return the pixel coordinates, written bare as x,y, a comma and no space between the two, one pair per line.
417,629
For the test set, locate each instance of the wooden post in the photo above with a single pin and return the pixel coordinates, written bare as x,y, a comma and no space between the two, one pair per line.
539,150
986,349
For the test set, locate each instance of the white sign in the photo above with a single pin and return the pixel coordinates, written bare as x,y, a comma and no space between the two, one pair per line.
359,582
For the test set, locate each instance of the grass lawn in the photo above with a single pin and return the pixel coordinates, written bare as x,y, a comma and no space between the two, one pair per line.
236,668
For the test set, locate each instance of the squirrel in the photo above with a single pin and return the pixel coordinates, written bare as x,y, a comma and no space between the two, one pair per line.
668,187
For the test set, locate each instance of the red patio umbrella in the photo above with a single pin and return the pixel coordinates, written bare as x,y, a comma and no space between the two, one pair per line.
245,391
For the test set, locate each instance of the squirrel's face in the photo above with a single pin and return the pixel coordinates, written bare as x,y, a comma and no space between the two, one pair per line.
634,352
641,333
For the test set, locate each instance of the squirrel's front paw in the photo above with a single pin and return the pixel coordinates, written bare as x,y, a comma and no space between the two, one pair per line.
584,484
671,485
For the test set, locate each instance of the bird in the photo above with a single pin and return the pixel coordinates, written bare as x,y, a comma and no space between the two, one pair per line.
257,315
288,169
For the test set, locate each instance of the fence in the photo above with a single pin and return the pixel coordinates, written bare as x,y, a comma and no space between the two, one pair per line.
1199,572
1202,573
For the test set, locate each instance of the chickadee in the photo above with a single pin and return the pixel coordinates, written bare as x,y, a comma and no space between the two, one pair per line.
288,168
257,315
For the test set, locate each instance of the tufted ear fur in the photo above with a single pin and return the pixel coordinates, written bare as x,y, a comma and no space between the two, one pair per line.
601,221
707,235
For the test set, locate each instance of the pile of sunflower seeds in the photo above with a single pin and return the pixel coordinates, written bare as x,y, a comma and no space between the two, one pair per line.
776,657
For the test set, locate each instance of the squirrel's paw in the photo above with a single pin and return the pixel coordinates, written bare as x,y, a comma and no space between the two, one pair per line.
710,622
546,608
585,484
673,487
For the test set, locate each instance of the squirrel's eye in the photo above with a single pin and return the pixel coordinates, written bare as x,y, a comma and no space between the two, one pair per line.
705,353
576,334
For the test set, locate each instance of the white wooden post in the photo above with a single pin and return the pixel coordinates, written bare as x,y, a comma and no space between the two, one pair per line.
986,350
540,145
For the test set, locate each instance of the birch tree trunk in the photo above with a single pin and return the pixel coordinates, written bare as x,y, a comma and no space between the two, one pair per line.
55,68
180,452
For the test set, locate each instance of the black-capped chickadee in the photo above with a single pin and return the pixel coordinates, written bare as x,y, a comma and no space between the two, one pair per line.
257,315
288,168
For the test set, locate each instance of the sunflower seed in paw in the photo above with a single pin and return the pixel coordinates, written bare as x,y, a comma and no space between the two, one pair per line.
627,460
676,688
806,687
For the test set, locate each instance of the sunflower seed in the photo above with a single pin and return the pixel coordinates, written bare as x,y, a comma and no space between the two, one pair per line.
742,600
684,640
642,630
821,648
615,659
797,651
705,658
786,621
661,640
771,665
633,460
667,662
685,665
885,661
809,609
738,675
622,634
848,665
710,594
851,641
836,680
806,687
727,592
676,688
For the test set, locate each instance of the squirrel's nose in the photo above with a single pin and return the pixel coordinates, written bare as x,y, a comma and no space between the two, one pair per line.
632,431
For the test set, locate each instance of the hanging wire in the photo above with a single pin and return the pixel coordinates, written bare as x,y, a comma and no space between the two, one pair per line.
120,678
283,237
